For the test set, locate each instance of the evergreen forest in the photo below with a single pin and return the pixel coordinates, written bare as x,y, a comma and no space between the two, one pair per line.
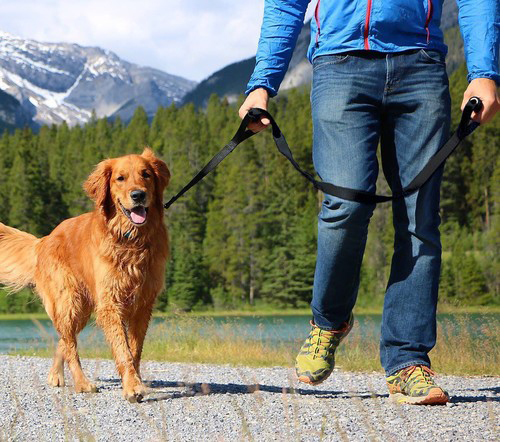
246,235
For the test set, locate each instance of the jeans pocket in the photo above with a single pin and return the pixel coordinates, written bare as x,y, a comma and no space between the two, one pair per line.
431,56
326,60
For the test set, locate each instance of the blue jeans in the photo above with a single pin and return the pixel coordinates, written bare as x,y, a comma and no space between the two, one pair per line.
401,100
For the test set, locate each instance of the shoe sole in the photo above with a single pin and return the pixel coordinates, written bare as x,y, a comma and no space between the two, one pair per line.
435,397
307,380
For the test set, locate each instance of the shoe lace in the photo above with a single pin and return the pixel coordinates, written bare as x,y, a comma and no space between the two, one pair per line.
321,341
419,373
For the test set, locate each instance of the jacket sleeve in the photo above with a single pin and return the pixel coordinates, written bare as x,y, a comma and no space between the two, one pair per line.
479,22
282,23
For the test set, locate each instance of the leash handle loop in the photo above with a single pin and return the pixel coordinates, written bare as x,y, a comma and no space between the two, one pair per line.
256,113
466,125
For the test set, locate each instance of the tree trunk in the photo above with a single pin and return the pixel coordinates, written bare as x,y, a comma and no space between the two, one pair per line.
486,202
252,290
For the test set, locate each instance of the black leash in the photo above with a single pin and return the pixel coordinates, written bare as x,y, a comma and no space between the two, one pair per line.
466,127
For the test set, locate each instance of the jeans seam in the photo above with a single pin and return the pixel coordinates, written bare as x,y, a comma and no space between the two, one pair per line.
386,83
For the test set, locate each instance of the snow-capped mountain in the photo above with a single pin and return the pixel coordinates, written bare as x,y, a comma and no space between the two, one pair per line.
58,82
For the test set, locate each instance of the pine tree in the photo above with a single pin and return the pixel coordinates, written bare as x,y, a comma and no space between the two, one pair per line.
137,132
185,151
5,165
21,197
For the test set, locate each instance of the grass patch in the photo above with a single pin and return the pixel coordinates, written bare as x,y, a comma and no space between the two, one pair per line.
22,316
253,311
463,347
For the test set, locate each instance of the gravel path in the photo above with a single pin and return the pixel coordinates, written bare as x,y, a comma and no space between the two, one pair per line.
193,402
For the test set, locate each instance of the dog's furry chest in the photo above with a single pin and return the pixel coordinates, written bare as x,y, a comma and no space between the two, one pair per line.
130,269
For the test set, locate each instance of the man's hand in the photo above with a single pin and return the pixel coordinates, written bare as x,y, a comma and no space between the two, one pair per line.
486,90
256,98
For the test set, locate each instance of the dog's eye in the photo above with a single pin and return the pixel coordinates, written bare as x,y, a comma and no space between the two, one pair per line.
121,178
145,174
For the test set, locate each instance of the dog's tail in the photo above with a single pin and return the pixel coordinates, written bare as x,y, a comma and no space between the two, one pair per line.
17,258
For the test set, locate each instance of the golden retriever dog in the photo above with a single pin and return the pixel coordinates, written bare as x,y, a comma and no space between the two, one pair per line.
110,261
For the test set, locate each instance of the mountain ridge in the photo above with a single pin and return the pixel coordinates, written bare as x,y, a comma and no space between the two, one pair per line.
67,82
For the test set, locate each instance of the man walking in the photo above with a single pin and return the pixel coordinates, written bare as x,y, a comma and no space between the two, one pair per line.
378,76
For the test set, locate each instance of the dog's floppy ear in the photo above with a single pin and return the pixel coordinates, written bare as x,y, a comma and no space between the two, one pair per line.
97,186
160,168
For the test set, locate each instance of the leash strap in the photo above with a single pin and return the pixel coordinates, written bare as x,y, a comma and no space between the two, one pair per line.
465,128
241,135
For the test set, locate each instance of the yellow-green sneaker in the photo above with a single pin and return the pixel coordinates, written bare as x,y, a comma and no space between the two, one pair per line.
414,385
316,359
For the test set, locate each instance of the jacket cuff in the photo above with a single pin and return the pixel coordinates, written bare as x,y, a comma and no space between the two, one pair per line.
491,75
252,85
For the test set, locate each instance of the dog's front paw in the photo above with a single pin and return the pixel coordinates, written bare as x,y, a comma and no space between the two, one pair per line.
135,394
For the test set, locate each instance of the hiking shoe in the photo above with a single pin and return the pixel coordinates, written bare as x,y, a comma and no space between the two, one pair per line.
414,385
316,359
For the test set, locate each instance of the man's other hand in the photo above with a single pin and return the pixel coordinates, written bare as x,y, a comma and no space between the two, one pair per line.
486,90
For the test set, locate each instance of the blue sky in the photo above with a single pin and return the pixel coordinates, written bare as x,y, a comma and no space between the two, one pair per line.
183,37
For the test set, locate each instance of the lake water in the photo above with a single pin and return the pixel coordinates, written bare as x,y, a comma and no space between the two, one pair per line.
26,334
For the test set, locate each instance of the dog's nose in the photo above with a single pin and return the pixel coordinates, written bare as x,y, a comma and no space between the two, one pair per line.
138,196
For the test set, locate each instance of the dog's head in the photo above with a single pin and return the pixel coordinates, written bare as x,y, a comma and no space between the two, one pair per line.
128,186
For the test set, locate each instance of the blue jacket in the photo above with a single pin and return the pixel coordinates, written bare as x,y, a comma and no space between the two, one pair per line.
379,25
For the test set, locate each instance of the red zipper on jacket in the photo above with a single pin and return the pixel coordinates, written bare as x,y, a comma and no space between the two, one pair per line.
316,15
428,19
367,25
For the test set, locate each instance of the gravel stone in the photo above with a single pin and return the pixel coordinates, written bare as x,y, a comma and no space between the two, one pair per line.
189,402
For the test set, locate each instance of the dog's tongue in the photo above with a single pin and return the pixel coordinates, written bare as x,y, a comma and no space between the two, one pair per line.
138,215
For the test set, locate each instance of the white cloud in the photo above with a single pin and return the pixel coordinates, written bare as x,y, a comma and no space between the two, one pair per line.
188,38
